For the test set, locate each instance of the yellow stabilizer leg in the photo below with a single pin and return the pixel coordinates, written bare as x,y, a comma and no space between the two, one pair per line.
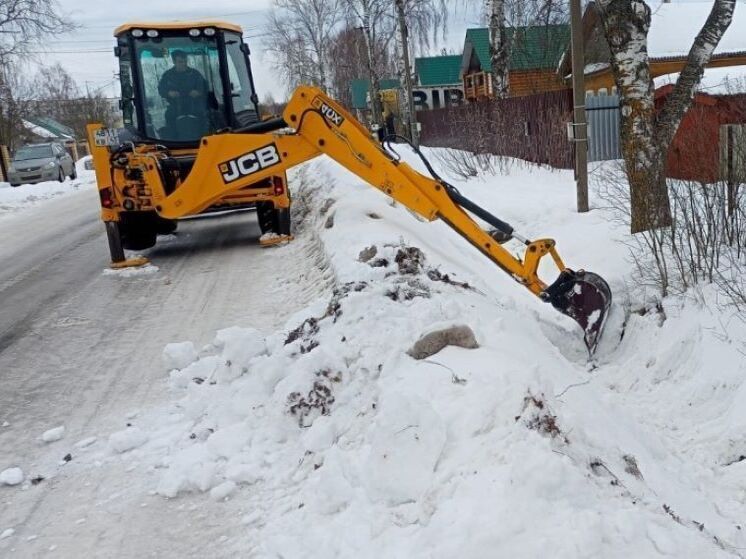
275,240
134,262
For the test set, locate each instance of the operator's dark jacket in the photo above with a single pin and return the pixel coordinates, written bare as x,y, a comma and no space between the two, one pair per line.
184,82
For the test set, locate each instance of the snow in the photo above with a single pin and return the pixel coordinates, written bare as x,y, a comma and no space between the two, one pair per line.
333,442
594,67
127,439
16,199
132,272
674,26
11,476
715,81
7,533
54,434
178,355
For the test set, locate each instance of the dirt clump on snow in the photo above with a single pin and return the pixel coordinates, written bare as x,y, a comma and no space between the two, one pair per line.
542,420
367,253
436,275
307,328
317,401
410,260
431,343
408,290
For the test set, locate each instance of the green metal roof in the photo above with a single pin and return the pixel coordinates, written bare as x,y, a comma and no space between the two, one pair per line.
438,70
531,48
360,87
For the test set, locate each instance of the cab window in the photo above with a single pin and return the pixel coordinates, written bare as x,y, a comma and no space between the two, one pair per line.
242,94
180,87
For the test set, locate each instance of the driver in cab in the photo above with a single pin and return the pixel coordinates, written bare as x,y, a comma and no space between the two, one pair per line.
184,88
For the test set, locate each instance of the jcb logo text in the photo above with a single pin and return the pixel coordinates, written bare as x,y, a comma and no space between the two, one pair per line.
249,163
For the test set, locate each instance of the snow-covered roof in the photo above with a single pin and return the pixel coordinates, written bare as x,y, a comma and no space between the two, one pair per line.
675,25
594,67
715,81
43,132
38,130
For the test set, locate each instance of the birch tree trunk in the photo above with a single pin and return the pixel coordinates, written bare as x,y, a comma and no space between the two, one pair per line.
498,49
646,135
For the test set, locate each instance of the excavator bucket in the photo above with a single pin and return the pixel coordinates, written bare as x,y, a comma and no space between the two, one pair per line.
586,298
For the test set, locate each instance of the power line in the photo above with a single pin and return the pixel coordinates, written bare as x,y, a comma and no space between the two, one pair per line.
70,51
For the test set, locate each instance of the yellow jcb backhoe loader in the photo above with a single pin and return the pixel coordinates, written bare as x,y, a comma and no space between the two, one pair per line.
193,142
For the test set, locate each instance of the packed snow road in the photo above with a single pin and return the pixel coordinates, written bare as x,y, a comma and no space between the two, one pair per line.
82,347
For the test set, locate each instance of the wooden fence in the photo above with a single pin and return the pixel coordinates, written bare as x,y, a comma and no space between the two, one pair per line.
533,128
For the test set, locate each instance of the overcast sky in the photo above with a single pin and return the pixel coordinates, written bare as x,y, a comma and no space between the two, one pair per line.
87,52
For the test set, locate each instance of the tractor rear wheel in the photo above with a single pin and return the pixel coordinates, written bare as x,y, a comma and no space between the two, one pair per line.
138,230
165,226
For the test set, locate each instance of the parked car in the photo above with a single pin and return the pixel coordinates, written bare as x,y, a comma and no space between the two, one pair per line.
40,162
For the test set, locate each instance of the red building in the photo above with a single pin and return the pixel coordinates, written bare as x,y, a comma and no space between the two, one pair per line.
695,153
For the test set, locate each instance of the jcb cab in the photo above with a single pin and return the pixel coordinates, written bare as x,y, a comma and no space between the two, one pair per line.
180,83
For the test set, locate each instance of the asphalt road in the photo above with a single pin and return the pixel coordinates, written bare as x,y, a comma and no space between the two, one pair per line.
83,349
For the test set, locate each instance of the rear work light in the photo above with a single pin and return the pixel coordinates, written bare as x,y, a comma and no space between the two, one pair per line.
194,32
137,33
209,32
106,199
152,33
279,187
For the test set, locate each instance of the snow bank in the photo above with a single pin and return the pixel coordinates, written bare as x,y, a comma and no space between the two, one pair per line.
337,443
14,199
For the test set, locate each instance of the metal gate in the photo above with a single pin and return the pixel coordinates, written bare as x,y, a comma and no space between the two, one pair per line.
603,127
733,153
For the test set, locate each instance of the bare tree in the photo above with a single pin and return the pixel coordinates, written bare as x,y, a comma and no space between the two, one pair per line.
268,106
374,18
423,17
647,135
17,92
349,52
301,32
23,23
59,97
27,22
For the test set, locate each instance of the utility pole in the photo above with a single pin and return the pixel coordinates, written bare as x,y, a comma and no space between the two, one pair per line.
579,127
411,115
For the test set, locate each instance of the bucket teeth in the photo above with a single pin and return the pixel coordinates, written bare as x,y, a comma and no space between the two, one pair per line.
586,298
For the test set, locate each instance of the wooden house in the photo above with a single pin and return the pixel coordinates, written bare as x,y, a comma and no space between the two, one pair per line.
534,54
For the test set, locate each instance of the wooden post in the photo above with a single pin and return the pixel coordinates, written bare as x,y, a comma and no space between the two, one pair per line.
74,147
580,128
411,114
4,161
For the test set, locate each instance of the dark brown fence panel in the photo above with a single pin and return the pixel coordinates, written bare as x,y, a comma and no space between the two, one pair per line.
532,128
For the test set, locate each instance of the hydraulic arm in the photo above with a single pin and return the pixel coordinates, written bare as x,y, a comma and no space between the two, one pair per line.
314,124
